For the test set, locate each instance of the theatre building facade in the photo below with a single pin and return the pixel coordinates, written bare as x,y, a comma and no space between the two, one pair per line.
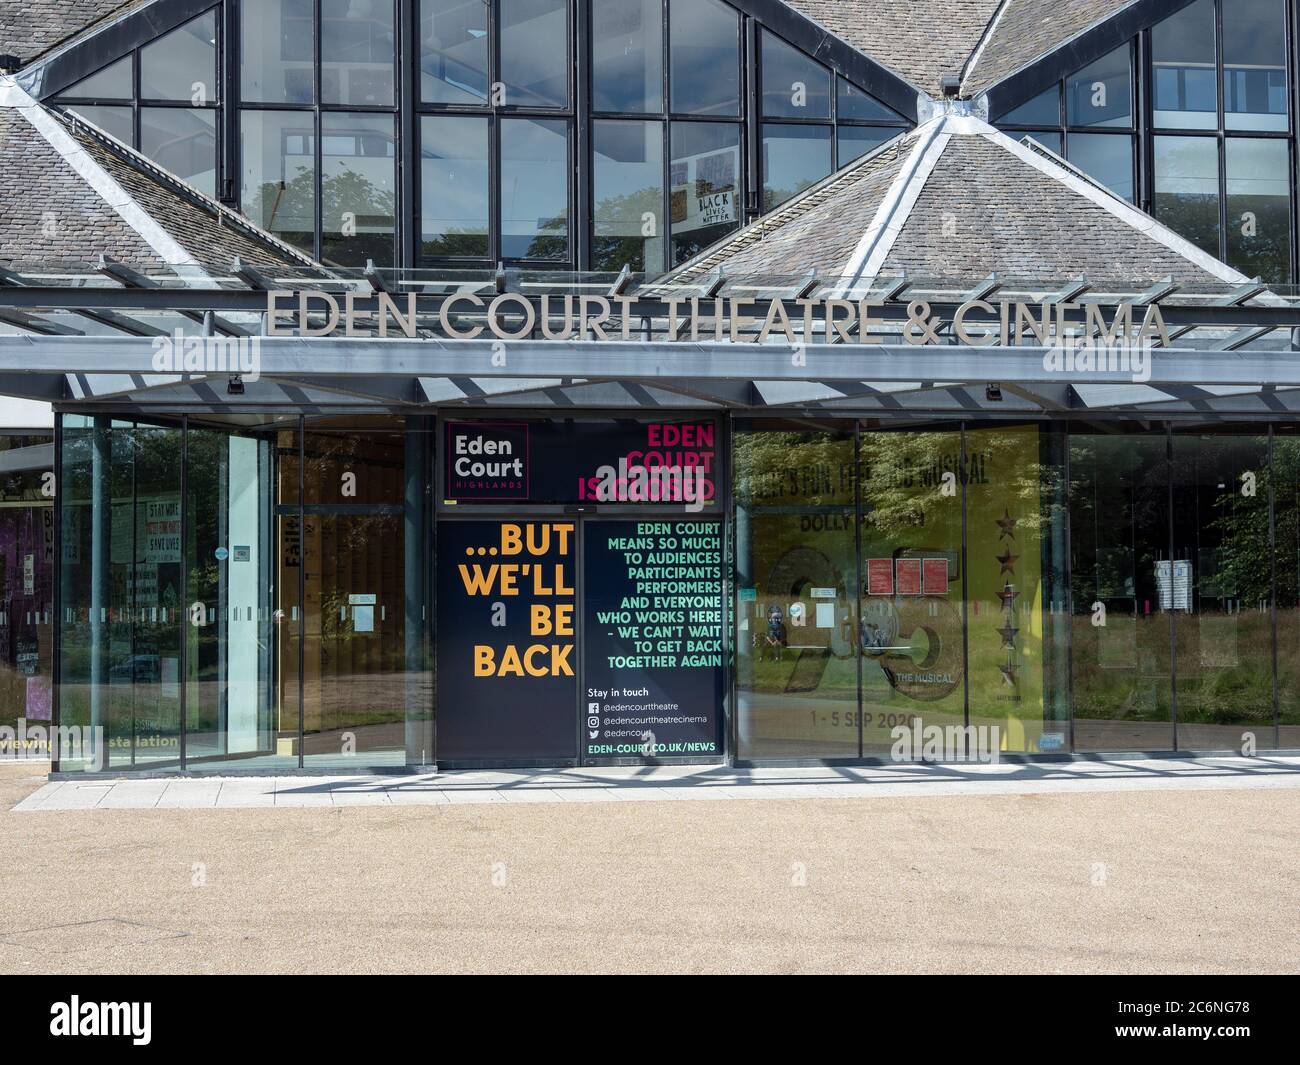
546,383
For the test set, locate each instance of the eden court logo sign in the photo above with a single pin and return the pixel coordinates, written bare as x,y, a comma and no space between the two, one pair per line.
513,316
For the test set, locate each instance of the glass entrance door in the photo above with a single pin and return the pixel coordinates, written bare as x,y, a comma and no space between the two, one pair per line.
353,666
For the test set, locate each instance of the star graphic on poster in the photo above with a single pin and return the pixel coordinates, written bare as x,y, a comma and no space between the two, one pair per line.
1008,674
1008,595
1006,525
1008,632
1008,561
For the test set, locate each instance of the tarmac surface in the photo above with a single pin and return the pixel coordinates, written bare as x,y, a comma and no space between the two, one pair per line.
1150,867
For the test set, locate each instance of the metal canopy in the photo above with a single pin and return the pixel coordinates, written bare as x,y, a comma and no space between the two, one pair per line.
1234,346
404,374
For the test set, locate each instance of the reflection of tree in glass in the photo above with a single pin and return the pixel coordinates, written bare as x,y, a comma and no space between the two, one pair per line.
621,218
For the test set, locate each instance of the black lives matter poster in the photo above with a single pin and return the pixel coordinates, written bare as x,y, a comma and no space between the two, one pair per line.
653,664
507,684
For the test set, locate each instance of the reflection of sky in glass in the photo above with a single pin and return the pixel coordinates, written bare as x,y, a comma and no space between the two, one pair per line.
793,85
704,48
627,56
794,157
454,175
534,187
534,52
453,51
1109,159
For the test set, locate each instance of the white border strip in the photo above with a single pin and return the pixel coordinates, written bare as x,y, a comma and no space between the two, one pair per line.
892,214
164,245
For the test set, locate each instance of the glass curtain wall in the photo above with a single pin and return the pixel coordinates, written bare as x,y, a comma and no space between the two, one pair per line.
26,579
162,99
226,604
318,125
1109,587
1222,143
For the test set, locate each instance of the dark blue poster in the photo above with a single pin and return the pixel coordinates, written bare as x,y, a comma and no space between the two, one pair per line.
653,635
507,656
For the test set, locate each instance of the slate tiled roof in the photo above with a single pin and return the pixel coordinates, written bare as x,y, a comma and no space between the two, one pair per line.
1025,30
72,194
822,225
48,213
961,200
30,28
919,40
1011,219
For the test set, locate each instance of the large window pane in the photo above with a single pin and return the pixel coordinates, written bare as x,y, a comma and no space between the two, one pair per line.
182,65
1100,94
278,152
1187,188
182,141
796,571
453,51
358,50
1106,157
910,634
358,189
277,47
627,56
794,157
454,186
1182,59
119,121
629,196
535,52
856,141
1043,110
1254,64
114,82
704,49
1122,589
793,85
535,170
1286,480
1015,583
855,105
1223,617
1259,208
704,181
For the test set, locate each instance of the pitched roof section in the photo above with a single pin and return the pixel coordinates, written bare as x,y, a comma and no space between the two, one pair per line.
958,200
920,40
73,194
30,28
1025,30
821,225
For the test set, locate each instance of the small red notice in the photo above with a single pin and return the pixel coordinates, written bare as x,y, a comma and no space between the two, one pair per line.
880,576
908,576
936,576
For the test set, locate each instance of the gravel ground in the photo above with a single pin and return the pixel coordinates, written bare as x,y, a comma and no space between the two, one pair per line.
1157,881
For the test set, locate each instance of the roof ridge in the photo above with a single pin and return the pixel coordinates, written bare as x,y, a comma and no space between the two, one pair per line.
985,37
895,209
1049,50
